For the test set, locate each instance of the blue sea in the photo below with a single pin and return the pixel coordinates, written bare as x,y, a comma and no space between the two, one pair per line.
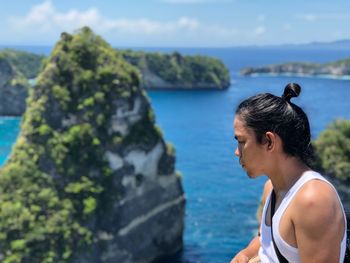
221,200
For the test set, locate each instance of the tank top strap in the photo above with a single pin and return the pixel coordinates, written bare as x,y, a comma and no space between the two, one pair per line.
307,176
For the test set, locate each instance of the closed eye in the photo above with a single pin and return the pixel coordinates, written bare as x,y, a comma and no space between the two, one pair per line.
238,140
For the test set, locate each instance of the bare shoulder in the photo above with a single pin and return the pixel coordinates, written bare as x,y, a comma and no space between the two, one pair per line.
318,221
316,204
316,193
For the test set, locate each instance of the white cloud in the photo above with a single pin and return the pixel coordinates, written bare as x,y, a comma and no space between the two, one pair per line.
44,22
44,18
260,30
186,22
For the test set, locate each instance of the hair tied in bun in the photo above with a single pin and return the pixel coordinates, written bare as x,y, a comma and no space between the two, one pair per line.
290,91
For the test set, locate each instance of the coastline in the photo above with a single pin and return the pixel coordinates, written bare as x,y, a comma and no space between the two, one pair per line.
292,74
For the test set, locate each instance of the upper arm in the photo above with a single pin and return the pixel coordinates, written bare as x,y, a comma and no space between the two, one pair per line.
319,223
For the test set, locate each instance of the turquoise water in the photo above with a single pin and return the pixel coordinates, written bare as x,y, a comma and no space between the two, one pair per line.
9,129
221,200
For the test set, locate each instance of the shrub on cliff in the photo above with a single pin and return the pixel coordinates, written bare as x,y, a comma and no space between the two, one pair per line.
332,149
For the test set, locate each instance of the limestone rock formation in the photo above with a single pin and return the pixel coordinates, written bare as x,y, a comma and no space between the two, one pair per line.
174,71
90,178
13,89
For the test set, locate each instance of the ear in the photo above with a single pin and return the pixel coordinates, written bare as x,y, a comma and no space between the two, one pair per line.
270,138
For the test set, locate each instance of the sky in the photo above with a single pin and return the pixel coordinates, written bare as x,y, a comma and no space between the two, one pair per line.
177,23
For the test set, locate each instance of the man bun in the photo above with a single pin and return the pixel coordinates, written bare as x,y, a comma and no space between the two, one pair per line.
290,91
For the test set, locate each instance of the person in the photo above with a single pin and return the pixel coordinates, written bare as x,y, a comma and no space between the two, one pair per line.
308,223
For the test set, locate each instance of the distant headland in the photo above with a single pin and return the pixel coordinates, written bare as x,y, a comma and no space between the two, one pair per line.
158,70
175,71
339,68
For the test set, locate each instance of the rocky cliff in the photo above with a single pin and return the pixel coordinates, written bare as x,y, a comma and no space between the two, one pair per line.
174,71
13,89
337,68
90,178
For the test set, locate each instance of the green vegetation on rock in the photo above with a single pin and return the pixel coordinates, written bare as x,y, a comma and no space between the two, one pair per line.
332,149
157,70
57,189
27,63
13,87
9,75
177,71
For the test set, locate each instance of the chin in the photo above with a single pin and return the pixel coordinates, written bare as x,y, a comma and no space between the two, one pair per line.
253,175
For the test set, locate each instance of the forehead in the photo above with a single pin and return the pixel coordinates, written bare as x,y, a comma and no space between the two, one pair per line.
240,129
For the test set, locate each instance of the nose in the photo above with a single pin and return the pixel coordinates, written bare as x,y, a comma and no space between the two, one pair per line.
237,152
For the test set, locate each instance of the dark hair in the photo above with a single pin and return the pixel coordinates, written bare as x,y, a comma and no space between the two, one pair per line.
266,112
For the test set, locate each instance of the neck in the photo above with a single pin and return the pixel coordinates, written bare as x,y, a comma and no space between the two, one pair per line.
286,173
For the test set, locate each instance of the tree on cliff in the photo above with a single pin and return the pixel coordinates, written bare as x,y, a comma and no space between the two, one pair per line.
332,149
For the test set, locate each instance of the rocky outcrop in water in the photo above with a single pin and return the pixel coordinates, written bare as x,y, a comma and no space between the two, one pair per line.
338,68
90,178
174,71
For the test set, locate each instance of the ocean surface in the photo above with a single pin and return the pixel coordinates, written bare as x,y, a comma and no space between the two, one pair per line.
221,200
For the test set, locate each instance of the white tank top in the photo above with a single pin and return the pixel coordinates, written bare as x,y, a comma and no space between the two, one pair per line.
267,252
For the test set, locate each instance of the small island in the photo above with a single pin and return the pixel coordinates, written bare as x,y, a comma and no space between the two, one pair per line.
339,68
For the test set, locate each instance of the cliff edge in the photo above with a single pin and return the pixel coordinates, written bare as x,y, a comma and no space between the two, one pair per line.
13,89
